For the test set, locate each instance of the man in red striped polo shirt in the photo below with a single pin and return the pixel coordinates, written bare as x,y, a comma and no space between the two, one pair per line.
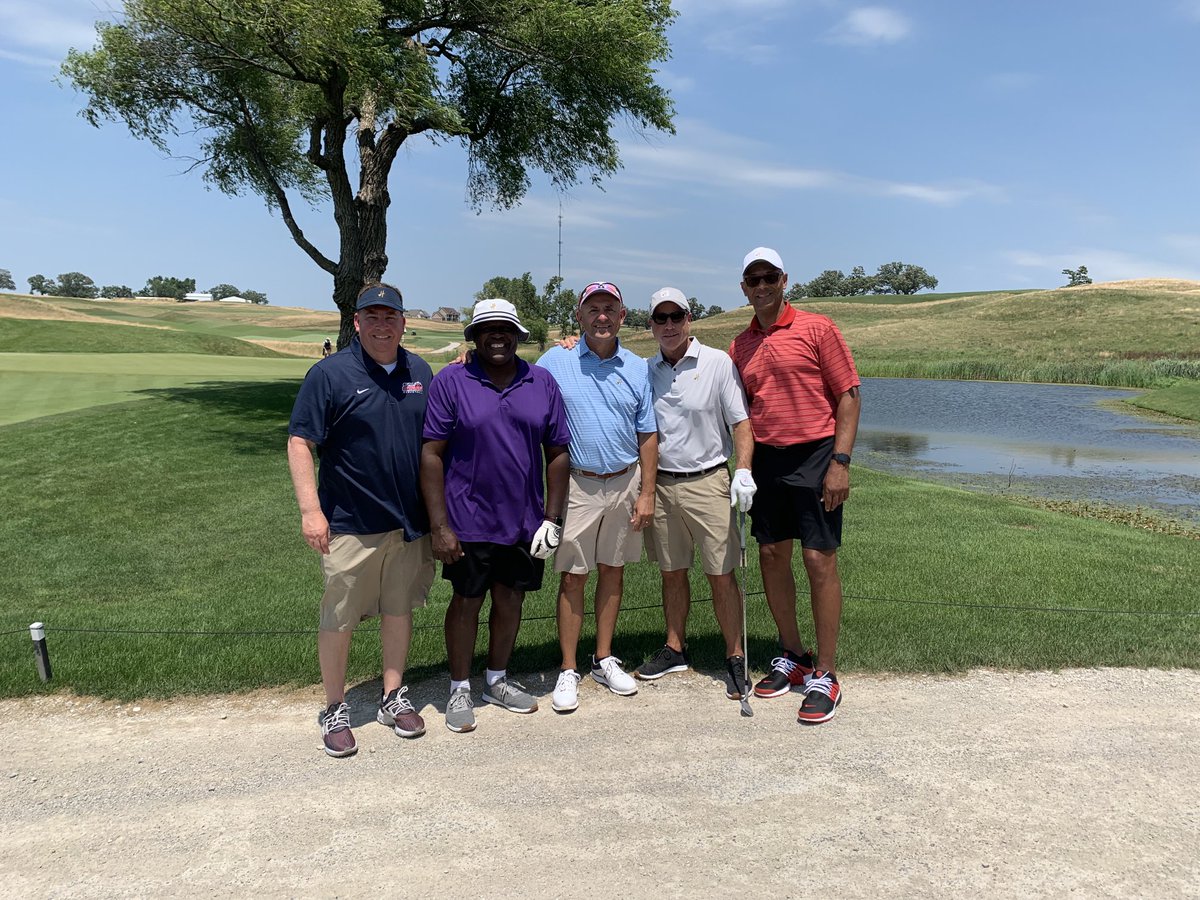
803,393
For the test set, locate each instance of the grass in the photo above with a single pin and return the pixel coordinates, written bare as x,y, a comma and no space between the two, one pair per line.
1181,401
39,336
175,513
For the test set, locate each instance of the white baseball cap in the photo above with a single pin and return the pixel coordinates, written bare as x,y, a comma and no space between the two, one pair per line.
762,254
668,295
494,310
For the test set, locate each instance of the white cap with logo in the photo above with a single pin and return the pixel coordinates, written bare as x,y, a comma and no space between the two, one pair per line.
762,254
668,295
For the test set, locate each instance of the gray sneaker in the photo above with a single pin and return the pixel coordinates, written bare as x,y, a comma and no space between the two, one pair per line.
460,711
511,695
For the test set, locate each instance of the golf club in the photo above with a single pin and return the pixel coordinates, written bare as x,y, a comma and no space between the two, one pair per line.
746,710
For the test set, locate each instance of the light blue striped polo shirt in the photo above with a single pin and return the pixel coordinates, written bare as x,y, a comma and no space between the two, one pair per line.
609,402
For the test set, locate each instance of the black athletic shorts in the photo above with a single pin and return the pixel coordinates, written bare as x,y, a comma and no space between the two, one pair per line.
484,563
787,505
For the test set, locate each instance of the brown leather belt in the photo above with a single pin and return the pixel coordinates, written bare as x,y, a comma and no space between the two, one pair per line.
692,474
587,474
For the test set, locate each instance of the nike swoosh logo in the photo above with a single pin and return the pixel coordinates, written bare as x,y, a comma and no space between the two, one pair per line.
363,391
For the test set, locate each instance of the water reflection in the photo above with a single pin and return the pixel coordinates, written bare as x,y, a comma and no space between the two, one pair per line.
1052,439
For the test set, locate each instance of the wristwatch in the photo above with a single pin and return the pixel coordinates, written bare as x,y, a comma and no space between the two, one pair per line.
843,458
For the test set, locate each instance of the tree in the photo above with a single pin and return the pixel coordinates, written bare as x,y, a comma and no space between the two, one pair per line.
221,291
713,310
168,286
636,318
258,298
114,291
902,278
520,292
6,281
1076,277
694,307
560,304
828,284
76,284
796,292
278,94
858,282
40,284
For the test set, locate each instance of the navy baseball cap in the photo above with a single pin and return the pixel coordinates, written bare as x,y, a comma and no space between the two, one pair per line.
380,295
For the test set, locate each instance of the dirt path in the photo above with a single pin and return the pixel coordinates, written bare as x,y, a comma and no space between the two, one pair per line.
1080,783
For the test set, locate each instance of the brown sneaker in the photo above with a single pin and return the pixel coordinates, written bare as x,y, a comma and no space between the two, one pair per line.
335,730
398,713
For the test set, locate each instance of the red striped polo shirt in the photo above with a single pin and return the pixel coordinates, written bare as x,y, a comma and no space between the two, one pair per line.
794,372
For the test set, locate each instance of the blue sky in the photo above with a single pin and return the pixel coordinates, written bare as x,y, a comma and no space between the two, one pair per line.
994,143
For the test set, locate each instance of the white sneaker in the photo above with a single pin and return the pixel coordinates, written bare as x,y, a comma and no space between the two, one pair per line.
566,693
610,674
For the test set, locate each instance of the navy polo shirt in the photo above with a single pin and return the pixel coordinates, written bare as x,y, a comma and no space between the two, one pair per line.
367,427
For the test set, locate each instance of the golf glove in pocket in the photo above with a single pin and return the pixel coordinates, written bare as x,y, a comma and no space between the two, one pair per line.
546,540
742,490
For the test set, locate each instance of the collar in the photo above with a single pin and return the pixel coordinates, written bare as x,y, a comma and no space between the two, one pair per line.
785,319
369,363
585,348
474,369
692,352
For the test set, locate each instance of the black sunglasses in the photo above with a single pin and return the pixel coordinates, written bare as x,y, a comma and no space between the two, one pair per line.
753,281
662,318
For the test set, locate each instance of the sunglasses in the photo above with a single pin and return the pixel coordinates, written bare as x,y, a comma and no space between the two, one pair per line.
753,281
663,318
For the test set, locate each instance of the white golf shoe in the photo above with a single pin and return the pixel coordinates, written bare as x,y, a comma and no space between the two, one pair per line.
609,673
566,692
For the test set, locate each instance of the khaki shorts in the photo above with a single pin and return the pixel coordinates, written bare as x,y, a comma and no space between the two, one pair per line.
596,527
691,511
374,574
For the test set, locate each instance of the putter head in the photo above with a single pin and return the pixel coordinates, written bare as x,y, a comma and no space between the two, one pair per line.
746,710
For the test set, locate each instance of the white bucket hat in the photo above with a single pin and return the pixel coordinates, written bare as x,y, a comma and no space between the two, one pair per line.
495,310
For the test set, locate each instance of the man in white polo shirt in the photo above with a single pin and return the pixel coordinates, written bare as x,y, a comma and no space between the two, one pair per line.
698,401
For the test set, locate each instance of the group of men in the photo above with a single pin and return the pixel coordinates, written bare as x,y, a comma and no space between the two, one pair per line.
416,467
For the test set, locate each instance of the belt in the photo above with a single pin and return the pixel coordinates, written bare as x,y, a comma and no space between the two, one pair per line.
587,474
719,465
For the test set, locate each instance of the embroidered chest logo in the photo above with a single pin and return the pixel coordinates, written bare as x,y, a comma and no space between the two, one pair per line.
412,387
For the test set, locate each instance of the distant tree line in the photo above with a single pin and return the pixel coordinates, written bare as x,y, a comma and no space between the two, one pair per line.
76,284
890,278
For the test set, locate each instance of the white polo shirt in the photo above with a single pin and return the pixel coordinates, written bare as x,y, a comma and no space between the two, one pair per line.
696,402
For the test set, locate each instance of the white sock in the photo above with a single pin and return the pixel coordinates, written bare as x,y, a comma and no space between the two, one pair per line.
459,685
493,675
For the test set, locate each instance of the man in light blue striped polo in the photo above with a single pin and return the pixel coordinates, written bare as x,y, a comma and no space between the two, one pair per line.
614,459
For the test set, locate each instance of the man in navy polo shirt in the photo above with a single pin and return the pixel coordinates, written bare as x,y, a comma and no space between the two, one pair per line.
488,425
362,410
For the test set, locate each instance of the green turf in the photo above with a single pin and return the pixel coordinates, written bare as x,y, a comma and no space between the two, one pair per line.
1180,400
41,336
175,513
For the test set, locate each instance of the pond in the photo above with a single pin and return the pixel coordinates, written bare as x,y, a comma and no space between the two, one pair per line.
1053,441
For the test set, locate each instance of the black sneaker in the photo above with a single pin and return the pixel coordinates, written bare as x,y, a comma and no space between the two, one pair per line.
663,662
822,695
736,683
787,671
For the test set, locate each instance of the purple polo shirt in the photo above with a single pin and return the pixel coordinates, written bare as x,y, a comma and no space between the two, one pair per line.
493,460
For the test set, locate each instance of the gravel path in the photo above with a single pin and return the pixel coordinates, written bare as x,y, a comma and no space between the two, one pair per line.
1077,783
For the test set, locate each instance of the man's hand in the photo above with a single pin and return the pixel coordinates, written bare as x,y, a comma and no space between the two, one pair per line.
446,548
568,341
643,512
315,528
465,355
836,487
546,540
742,490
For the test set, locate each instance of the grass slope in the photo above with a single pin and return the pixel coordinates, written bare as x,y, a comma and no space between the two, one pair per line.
29,336
176,514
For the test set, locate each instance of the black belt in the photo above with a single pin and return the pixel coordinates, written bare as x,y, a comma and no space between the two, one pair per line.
587,474
719,465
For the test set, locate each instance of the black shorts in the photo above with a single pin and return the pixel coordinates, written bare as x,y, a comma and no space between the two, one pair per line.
484,563
788,503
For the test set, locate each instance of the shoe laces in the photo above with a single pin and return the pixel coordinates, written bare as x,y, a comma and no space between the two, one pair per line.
665,653
609,663
820,684
784,664
336,718
570,675
398,705
459,701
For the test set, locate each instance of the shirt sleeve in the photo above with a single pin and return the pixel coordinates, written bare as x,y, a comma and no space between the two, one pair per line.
440,408
646,420
837,365
311,413
558,432
733,395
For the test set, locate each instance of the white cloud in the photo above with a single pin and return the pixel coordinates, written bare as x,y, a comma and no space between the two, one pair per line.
742,43
728,7
871,25
31,30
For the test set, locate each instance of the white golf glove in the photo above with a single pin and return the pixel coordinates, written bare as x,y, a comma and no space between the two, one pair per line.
546,540
742,490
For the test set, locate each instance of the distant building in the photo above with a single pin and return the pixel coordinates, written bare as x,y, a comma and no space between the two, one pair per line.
197,297
234,299
416,314
445,314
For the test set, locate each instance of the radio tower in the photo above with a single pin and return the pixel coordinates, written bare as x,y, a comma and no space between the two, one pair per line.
560,239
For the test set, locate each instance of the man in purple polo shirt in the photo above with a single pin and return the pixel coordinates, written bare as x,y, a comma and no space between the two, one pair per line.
487,426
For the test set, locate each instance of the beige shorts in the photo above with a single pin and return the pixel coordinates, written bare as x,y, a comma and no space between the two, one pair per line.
596,527
690,512
374,574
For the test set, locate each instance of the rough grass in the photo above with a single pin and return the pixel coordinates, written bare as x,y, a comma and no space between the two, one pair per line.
30,336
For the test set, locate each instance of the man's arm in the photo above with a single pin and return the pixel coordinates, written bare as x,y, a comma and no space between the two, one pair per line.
837,479
446,548
313,524
558,475
643,508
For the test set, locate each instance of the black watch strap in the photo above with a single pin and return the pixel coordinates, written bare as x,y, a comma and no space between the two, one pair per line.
843,458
